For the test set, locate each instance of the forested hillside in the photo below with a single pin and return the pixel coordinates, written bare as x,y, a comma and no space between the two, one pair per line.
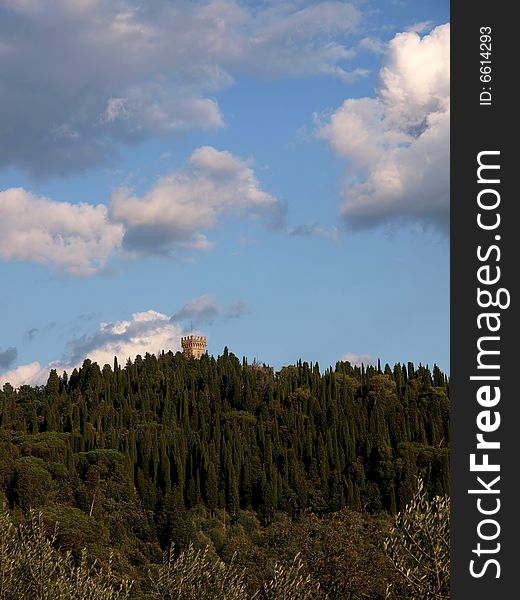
173,450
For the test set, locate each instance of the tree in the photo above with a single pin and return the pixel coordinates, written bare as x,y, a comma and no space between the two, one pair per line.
31,483
174,524
212,488
419,545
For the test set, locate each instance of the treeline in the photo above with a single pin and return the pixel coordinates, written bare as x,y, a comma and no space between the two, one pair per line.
333,562
119,455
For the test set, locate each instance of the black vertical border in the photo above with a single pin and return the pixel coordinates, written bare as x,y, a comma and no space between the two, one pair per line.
475,128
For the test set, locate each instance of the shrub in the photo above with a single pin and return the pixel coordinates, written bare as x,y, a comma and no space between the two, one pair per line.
290,582
196,575
31,567
419,546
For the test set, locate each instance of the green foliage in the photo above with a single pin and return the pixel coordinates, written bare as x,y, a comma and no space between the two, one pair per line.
196,575
226,434
167,450
199,575
419,546
336,563
174,525
290,582
343,551
32,484
31,567
74,529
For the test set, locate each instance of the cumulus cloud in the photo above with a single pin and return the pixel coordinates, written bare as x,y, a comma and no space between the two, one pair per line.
76,238
397,144
29,374
174,215
78,77
358,359
7,357
148,331
206,309
177,211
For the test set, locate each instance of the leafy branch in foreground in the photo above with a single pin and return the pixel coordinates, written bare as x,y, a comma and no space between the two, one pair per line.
196,575
31,567
419,546
290,582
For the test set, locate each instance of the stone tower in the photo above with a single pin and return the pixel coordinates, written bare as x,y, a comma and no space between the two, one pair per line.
193,346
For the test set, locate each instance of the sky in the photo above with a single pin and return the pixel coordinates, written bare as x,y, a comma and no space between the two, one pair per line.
272,174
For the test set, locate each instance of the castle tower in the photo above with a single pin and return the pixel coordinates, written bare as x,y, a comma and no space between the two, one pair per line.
193,346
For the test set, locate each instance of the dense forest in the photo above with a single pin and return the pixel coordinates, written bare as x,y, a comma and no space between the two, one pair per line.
228,454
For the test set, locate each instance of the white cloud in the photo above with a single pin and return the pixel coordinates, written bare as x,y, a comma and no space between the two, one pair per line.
29,374
174,215
158,109
79,76
76,238
175,211
397,144
148,331
298,39
359,359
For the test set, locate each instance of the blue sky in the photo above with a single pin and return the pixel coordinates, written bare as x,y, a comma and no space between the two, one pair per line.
272,174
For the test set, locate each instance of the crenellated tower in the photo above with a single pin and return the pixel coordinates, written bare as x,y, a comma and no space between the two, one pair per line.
193,346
